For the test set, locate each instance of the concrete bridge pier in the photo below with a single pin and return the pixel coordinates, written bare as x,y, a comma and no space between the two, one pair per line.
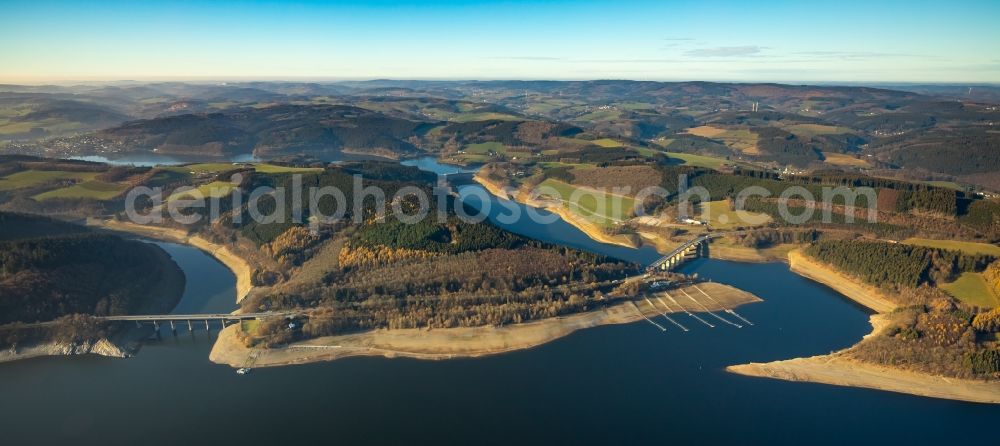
190,327
207,328
173,328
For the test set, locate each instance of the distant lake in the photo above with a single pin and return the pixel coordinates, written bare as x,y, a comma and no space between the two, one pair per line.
150,160
622,384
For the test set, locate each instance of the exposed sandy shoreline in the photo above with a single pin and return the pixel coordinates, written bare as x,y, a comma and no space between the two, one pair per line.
239,267
836,368
736,254
839,369
456,342
592,230
869,296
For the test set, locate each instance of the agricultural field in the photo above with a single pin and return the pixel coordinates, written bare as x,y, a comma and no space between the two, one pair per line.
215,189
634,105
955,245
222,167
561,141
606,142
741,140
972,289
32,178
945,184
272,168
706,131
810,130
720,216
470,117
96,190
636,178
485,148
479,152
709,162
599,115
51,125
842,159
597,207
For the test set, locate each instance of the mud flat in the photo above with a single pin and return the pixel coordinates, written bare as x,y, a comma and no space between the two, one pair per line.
450,343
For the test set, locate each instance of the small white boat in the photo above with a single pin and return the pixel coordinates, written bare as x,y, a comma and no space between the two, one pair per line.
242,371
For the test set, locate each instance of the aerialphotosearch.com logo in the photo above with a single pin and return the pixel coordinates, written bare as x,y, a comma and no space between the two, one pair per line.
411,204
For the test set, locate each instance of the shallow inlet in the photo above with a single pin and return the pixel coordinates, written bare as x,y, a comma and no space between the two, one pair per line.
611,384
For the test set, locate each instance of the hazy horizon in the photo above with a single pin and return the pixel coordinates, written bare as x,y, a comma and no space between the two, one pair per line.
782,42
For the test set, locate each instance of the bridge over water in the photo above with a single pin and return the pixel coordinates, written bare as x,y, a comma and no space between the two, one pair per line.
681,253
190,319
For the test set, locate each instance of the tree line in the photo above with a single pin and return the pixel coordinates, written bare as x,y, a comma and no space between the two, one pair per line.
895,264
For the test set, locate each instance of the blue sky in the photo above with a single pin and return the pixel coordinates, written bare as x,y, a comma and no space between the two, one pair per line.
783,41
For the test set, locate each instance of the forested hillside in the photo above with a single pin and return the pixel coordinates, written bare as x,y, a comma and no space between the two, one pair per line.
53,273
895,264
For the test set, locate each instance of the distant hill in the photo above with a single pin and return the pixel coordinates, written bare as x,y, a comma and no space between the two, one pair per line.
932,132
37,115
268,132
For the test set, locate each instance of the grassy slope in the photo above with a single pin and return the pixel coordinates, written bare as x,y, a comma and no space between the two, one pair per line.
972,289
30,178
215,189
709,162
222,167
840,159
588,204
719,216
97,190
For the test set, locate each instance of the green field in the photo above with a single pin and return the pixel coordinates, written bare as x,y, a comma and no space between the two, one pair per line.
484,148
594,206
97,190
811,130
709,162
52,125
967,247
598,115
719,216
634,105
215,189
469,117
740,139
972,289
841,159
31,178
222,167
945,184
606,142
272,168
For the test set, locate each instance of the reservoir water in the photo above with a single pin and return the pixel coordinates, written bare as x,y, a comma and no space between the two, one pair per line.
621,384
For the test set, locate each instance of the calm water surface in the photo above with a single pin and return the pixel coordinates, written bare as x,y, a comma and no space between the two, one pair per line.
607,385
